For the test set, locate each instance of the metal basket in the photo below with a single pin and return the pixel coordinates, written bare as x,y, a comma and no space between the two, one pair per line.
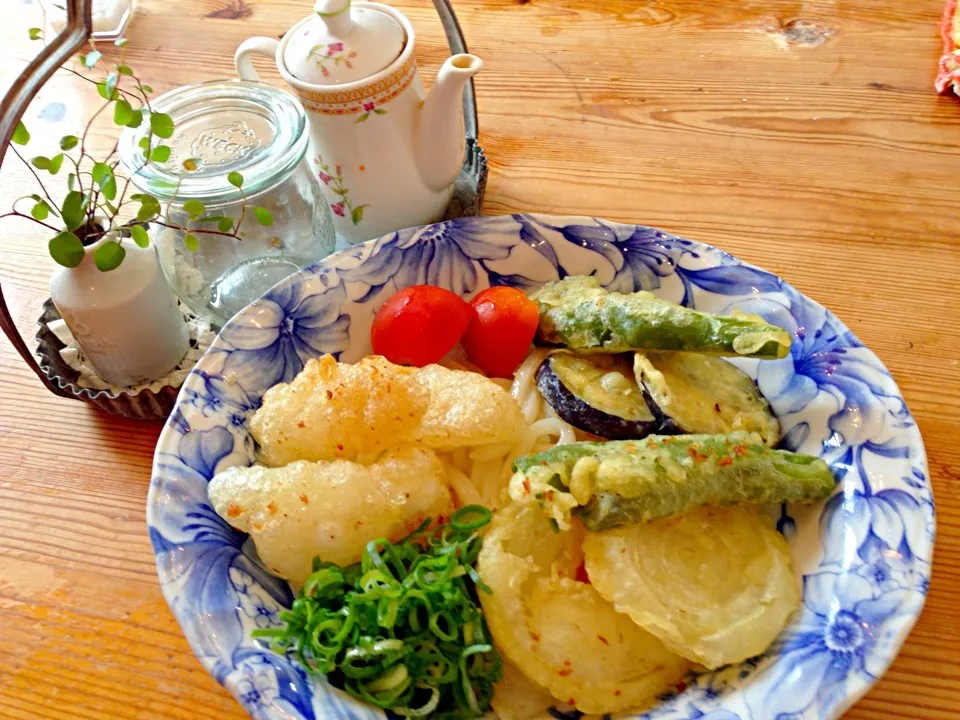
56,376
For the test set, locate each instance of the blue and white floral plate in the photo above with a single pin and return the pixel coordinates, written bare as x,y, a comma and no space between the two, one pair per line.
864,557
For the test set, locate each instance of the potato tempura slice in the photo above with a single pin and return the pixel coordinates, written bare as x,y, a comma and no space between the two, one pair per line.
331,509
467,408
715,585
559,632
334,410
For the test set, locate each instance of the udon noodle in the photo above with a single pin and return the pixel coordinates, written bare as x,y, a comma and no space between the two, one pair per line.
481,474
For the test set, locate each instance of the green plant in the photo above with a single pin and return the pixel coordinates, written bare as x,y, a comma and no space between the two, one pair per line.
97,202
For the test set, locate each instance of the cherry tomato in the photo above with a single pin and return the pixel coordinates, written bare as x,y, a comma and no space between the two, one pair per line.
419,325
501,331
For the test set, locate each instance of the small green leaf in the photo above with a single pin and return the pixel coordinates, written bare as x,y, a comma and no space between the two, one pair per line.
161,124
357,214
56,162
69,142
73,209
40,211
146,89
136,120
160,154
20,135
71,181
108,88
235,179
120,42
144,143
108,256
191,242
263,216
35,33
40,162
122,112
149,207
66,249
140,236
105,180
91,58
194,208
124,70
111,208
225,225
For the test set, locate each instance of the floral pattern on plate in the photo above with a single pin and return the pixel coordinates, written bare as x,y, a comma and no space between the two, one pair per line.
863,558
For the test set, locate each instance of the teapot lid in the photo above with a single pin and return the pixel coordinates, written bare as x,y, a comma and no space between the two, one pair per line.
343,43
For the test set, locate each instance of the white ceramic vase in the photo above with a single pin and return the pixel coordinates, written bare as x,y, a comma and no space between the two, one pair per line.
125,321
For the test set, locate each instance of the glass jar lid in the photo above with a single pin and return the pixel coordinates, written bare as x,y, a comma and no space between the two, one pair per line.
222,126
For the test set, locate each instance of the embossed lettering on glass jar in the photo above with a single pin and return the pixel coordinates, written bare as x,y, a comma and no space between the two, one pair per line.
223,127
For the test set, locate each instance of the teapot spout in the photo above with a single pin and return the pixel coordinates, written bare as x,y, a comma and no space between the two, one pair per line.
440,144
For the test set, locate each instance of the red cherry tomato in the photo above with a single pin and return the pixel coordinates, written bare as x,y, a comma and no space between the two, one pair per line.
501,331
419,325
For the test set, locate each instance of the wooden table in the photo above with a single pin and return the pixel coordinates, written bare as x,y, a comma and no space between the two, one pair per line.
804,137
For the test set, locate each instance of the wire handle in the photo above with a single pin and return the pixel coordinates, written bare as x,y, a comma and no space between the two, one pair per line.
68,41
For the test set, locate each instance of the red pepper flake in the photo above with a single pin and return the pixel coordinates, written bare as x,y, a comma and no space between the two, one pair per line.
681,686
441,520
571,701
258,526
535,636
724,461
543,462
631,448
623,550
272,507
564,672
616,693
357,524
716,407
567,663
602,639
581,574
740,450
329,394
548,495
304,499
526,486
300,424
339,447
234,510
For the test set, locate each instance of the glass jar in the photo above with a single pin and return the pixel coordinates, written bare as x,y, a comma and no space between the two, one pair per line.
223,127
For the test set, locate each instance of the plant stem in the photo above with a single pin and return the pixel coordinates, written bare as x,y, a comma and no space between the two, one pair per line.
34,172
17,213
130,95
195,230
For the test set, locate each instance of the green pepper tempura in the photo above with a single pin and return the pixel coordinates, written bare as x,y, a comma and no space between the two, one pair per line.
579,313
402,629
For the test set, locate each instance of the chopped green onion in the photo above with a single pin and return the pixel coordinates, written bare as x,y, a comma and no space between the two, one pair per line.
401,629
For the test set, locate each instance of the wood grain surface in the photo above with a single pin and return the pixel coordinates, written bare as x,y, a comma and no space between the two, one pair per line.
802,136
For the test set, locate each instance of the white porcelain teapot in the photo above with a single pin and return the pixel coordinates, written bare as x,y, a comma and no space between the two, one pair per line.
386,152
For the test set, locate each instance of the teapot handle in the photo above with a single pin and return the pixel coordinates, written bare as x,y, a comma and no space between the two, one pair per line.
458,45
253,46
